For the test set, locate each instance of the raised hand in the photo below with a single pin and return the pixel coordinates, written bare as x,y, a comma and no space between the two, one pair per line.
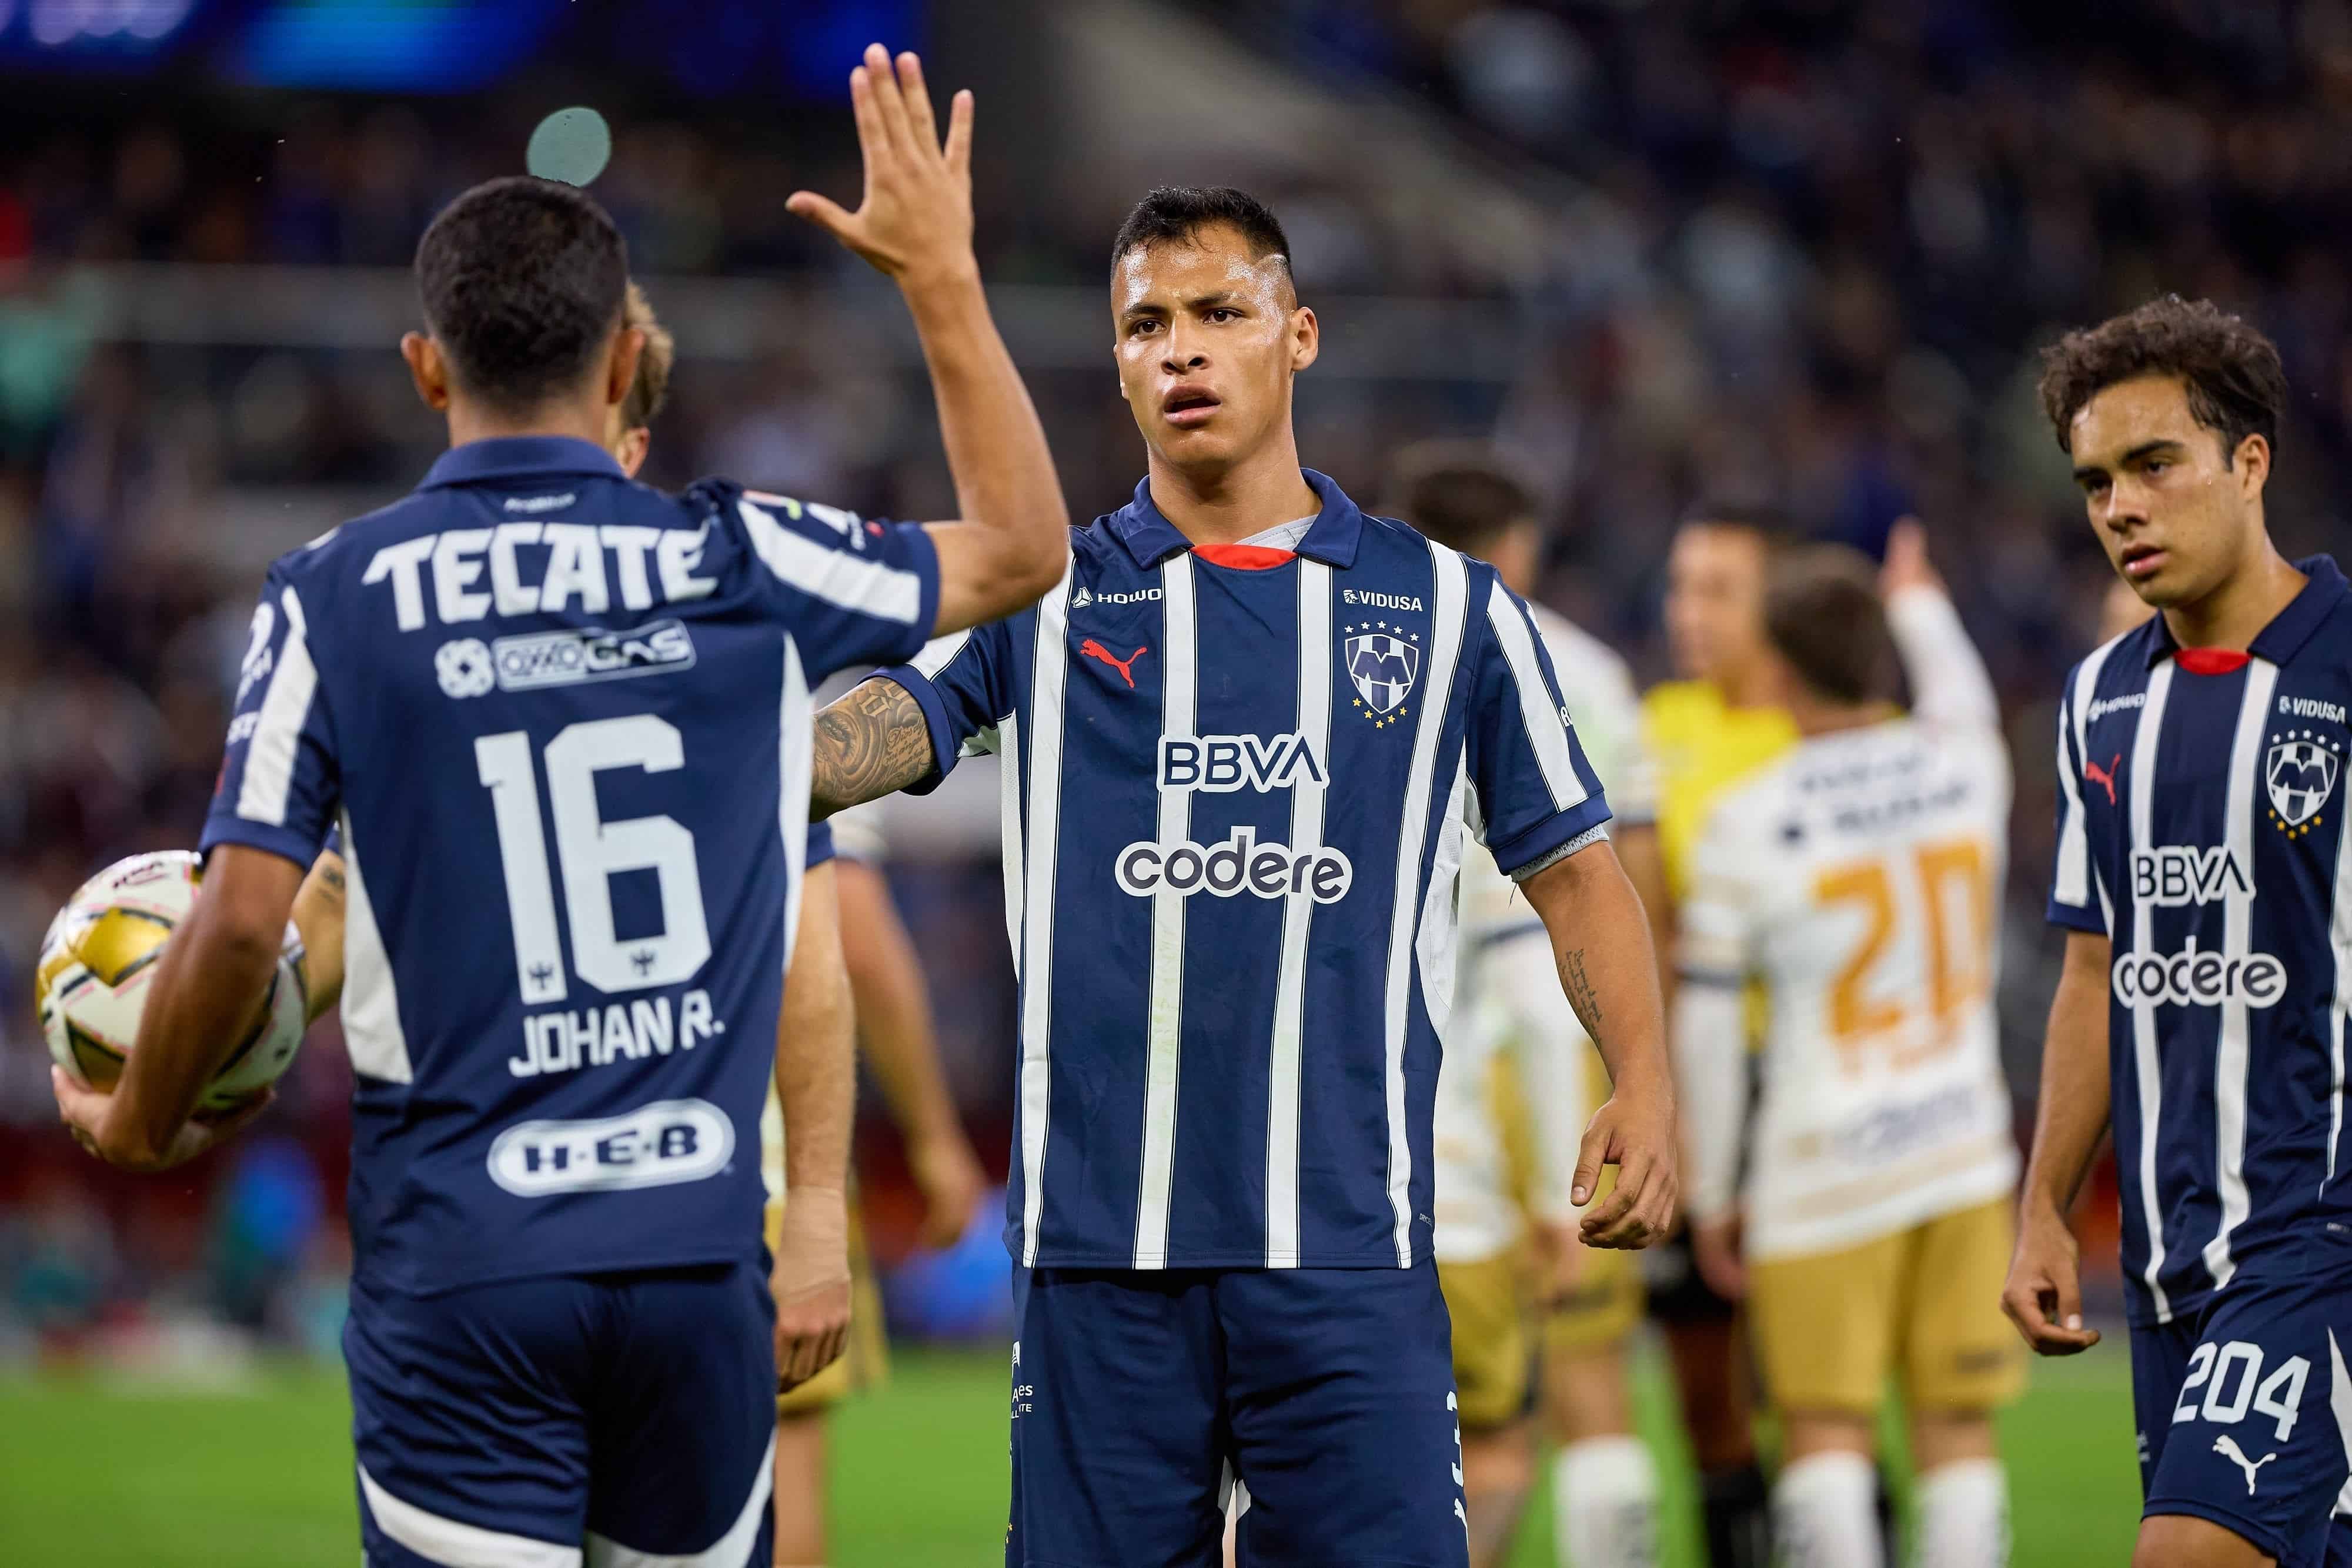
1908,565
915,219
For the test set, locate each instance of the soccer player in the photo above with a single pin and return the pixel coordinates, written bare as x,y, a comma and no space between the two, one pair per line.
1856,877
2201,878
1243,737
1705,732
559,1340
1518,1079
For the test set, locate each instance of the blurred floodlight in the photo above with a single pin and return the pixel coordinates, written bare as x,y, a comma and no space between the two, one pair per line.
571,145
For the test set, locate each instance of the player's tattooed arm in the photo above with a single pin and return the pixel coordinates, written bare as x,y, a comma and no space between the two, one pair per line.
1581,993
869,743
319,917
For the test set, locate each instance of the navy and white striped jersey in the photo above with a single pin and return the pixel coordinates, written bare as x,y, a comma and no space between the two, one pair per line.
563,721
2203,828
1236,788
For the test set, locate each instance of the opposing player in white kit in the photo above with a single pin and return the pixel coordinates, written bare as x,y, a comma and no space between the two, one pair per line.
1520,1078
1856,878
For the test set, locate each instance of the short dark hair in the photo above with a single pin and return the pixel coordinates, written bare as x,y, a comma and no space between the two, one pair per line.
1179,212
1822,614
522,279
2236,385
1458,492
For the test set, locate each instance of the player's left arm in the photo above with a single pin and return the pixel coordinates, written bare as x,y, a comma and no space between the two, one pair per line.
1609,973
816,1082
210,984
1541,812
319,920
893,1006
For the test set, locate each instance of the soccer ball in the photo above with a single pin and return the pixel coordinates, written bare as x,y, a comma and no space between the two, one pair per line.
99,955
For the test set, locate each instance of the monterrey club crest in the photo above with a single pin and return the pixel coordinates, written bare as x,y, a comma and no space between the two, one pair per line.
2300,774
1382,664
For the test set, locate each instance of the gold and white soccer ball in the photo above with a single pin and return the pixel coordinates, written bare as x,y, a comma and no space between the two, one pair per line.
97,964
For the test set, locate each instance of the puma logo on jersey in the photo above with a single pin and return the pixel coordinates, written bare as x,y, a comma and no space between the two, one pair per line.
2106,776
2228,1448
1090,649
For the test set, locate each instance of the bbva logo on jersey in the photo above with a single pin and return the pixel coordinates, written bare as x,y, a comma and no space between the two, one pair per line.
2172,875
1220,764
667,1141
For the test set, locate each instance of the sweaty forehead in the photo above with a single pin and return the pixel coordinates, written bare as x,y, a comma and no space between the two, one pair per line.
1211,260
2131,414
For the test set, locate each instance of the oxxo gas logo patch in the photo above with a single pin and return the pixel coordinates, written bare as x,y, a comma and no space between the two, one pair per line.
660,1144
2195,979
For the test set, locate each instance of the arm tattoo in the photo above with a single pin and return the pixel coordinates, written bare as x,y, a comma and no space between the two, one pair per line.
333,877
1581,993
871,742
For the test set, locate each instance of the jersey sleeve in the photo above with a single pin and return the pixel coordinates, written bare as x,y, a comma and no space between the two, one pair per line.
2074,901
856,591
821,847
962,682
1536,793
281,783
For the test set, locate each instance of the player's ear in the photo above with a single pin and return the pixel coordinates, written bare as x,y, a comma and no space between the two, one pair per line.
1306,339
2252,462
621,364
427,369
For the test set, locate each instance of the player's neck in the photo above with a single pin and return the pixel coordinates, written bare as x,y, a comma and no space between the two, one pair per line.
1264,490
2235,613
577,418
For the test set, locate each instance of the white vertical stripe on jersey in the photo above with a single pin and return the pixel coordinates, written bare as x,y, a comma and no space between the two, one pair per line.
1449,620
2230,1058
1164,1030
1283,1053
277,723
1049,671
796,760
1008,821
940,653
839,577
1547,734
371,1007
2148,1069
2339,1405
2339,938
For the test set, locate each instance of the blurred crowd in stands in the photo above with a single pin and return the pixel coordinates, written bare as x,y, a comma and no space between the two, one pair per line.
1805,253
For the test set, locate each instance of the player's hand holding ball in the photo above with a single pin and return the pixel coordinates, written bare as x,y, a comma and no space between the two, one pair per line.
915,220
810,1283
1633,1130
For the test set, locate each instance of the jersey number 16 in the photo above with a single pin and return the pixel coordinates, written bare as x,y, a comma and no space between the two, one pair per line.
592,853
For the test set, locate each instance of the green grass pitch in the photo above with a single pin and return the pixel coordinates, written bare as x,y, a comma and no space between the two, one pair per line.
105,1473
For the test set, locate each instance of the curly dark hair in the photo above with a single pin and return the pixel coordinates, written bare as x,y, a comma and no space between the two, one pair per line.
2236,385
1179,212
522,279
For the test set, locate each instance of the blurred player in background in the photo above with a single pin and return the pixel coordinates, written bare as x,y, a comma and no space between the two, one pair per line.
1520,1076
2204,878
1244,739
543,1292
1705,731
1856,877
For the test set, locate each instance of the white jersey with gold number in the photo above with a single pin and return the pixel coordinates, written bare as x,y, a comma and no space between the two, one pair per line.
1857,877
1509,996
857,835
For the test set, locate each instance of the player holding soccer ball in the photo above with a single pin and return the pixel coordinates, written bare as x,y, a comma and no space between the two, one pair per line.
2204,877
522,679
1241,739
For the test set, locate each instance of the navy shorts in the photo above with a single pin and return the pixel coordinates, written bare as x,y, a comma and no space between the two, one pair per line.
550,1423
1323,1397
2236,1406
